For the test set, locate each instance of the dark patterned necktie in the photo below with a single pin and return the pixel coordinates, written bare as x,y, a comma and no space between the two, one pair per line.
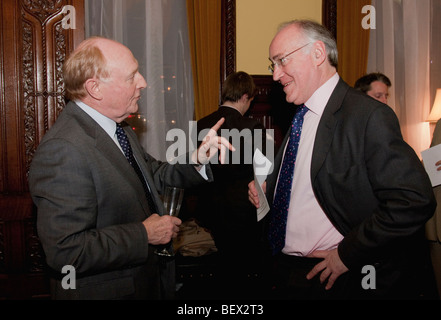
127,149
277,226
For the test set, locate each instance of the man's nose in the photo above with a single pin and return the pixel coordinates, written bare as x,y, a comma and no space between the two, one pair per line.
142,83
277,73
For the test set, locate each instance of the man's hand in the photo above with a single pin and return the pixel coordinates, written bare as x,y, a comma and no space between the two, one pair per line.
252,193
211,144
331,267
438,166
161,229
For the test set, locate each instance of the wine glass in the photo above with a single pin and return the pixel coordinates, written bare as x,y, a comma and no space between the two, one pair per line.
172,204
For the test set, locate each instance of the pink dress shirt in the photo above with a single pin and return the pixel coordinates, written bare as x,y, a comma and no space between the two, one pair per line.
308,227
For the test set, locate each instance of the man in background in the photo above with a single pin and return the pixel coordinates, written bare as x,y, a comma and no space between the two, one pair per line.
233,219
375,85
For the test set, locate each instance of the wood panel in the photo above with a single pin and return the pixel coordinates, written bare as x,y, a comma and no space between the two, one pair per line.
329,16
270,107
35,38
228,40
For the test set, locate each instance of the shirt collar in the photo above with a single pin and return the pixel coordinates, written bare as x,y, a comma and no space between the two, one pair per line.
317,102
107,124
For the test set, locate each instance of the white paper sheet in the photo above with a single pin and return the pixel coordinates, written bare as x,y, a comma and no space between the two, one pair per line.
261,166
430,157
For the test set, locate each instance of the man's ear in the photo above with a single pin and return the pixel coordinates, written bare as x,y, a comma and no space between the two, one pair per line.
244,97
319,53
92,87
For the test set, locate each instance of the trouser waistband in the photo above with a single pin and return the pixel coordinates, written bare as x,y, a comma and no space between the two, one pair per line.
297,261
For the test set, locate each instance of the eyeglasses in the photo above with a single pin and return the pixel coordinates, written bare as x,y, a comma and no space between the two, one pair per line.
282,61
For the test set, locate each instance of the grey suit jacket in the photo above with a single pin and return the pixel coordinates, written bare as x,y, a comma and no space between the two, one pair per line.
90,208
371,185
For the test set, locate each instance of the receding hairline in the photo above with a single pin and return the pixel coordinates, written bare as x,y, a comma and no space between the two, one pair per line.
96,41
312,30
101,43
111,50
288,26
87,61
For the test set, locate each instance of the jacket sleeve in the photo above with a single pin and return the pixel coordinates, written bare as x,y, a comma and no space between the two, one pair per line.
400,186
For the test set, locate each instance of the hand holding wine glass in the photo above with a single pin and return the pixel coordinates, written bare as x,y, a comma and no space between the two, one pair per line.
161,229
172,199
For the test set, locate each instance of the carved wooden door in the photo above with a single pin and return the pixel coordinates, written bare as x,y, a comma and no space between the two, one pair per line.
35,38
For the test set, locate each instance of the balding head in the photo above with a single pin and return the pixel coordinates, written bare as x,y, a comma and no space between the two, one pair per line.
93,58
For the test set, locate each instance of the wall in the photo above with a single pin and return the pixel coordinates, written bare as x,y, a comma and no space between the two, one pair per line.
256,24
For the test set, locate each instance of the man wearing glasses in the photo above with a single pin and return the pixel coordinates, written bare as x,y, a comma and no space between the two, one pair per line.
353,195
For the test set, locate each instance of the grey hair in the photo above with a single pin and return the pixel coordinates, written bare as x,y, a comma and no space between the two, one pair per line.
316,32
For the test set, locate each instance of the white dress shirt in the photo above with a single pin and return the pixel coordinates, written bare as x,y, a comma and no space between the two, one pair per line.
107,124
308,228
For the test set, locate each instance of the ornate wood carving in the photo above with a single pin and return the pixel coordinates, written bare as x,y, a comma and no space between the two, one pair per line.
45,48
228,40
34,43
42,9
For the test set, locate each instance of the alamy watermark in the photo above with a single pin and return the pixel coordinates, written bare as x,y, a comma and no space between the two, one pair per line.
369,21
369,282
245,142
69,281
69,20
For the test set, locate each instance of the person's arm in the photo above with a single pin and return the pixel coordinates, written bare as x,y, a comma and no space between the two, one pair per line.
193,168
401,185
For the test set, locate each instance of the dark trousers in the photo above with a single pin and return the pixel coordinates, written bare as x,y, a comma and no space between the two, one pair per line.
289,281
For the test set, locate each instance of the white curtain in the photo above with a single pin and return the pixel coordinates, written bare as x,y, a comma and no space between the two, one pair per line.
157,34
400,47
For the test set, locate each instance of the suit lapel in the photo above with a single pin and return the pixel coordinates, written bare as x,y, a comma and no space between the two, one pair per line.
326,128
111,152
